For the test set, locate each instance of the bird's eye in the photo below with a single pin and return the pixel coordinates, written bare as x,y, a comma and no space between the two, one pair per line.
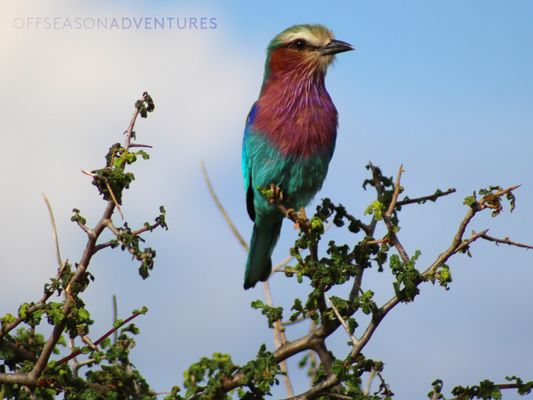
299,44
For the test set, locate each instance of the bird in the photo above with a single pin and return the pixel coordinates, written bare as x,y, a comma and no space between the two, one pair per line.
289,135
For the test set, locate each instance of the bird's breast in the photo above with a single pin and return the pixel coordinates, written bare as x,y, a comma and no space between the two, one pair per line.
299,123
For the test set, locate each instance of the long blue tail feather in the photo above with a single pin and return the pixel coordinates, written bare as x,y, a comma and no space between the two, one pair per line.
259,263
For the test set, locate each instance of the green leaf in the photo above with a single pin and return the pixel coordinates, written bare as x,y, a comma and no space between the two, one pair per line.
273,314
375,209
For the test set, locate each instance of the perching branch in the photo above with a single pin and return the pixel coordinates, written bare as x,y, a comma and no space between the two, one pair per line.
459,244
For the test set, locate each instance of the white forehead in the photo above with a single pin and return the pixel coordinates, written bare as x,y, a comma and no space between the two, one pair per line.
315,35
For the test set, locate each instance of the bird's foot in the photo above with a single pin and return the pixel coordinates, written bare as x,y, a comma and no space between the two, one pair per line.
275,195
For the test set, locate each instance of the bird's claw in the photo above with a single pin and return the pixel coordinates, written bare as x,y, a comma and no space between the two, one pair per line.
276,194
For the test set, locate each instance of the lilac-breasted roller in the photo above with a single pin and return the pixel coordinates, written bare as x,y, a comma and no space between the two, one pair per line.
289,136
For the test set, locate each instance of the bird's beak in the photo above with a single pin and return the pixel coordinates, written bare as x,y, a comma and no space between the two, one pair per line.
334,47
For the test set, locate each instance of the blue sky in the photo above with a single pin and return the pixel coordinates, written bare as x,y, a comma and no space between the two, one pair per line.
443,87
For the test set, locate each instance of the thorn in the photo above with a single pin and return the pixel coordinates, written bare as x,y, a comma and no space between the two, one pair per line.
88,173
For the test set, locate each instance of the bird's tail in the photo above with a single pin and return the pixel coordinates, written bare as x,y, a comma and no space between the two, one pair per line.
259,264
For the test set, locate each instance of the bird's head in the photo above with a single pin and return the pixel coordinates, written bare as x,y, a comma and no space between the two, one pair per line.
305,49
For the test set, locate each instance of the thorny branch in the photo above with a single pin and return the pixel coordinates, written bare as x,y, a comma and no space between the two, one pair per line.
31,378
506,241
315,340
323,331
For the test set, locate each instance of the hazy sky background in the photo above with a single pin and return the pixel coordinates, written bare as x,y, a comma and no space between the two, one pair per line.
444,87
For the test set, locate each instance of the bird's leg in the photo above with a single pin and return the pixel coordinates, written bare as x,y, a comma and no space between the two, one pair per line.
275,196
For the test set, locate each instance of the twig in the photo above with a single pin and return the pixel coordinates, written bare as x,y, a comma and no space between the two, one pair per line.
370,228
117,205
129,131
109,225
330,381
369,383
279,339
54,231
431,197
115,316
466,242
377,241
85,339
146,228
85,229
500,386
388,215
397,190
104,245
279,266
333,395
100,340
485,202
116,231
221,208
75,362
458,238
506,241
81,364
443,257
387,391
356,288
343,322
296,321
